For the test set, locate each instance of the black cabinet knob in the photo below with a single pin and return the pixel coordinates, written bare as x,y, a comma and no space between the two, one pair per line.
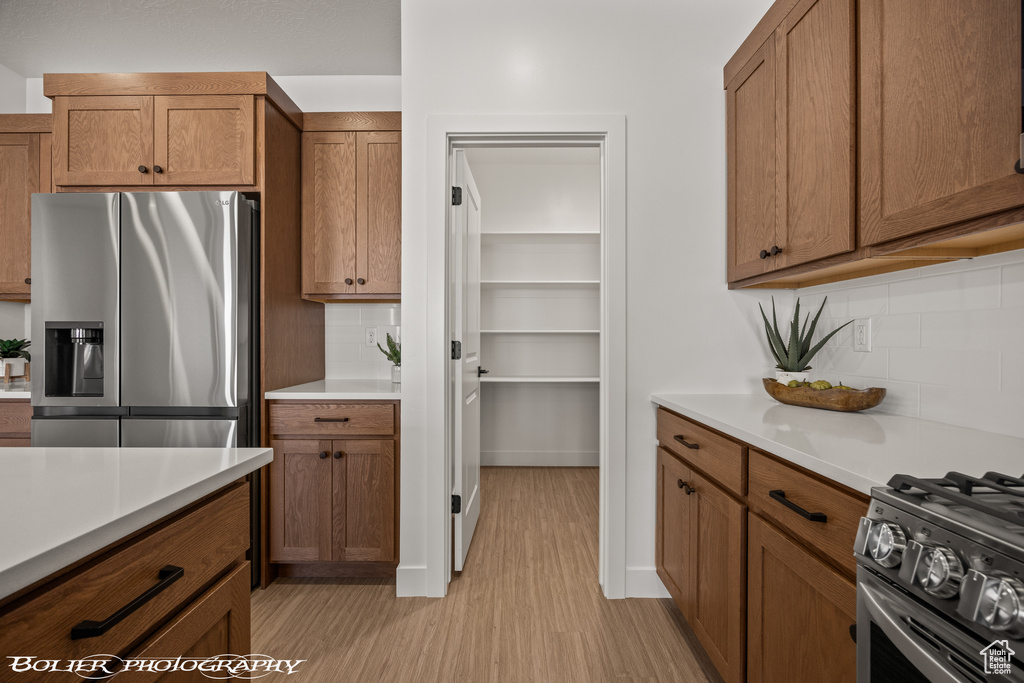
764,253
143,169
681,483
337,455
776,250
323,455
158,169
361,281
28,281
348,281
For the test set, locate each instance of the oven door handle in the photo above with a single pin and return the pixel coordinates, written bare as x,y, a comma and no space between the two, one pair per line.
903,638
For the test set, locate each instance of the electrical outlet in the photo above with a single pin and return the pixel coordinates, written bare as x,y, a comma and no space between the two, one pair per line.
371,336
862,334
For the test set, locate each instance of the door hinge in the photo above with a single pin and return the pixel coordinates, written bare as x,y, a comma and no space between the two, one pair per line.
456,350
456,196
456,504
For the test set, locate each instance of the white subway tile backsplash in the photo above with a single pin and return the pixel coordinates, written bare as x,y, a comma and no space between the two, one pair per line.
864,302
978,370
1012,374
1013,285
381,314
345,351
987,328
971,289
846,361
341,314
992,411
896,331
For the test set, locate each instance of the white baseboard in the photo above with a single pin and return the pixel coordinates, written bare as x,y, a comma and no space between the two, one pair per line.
539,458
644,582
411,582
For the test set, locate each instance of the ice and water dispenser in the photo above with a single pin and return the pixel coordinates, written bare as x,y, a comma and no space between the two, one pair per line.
74,359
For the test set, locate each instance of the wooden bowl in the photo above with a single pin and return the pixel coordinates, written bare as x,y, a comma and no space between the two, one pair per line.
845,400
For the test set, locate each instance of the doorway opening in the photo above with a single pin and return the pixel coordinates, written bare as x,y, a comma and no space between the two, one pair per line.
535,310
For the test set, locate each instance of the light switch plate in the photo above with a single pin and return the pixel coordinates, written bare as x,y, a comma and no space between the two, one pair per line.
862,334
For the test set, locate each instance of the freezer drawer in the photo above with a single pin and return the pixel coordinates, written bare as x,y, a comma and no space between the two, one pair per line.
75,432
179,433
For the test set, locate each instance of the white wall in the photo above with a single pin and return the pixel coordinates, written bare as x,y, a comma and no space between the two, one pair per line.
660,63
12,92
35,101
947,340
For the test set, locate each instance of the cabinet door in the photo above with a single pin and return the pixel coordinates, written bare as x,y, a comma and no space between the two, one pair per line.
328,213
815,111
379,213
102,140
364,500
20,176
204,140
672,542
799,613
940,113
752,156
217,623
300,501
718,576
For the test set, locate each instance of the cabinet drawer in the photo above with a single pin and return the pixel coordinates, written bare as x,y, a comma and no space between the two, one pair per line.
203,543
834,536
332,419
715,455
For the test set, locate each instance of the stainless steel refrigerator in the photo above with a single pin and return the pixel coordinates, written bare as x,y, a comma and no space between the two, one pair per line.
144,319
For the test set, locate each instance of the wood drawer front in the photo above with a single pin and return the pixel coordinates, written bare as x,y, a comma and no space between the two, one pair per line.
715,455
15,419
204,542
842,510
332,419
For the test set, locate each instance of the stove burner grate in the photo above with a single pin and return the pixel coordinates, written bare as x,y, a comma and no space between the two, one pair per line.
961,489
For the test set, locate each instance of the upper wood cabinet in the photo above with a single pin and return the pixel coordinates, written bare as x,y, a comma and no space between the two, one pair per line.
24,169
123,140
790,133
940,116
351,210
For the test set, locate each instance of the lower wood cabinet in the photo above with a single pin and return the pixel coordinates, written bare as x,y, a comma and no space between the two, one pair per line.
334,501
799,613
701,552
15,422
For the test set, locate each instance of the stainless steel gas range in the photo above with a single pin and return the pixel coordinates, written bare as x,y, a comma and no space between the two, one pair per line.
940,581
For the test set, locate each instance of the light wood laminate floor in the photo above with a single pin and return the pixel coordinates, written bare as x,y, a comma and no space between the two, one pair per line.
528,606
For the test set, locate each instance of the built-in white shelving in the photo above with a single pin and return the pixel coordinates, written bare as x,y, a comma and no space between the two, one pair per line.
540,331
537,283
540,380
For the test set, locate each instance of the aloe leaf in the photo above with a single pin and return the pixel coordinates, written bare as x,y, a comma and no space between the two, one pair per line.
817,347
775,327
793,355
774,346
814,324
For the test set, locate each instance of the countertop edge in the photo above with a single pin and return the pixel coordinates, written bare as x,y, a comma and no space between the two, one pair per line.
37,568
826,469
285,395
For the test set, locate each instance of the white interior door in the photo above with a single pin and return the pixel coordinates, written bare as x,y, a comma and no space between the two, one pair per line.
466,218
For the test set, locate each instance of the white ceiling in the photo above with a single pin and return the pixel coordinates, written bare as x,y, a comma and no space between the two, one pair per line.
282,37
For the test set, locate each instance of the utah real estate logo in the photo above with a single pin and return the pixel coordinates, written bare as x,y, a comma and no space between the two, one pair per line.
997,658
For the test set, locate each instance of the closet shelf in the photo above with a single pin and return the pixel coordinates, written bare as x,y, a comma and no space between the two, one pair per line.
540,331
528,237
517,283
541,380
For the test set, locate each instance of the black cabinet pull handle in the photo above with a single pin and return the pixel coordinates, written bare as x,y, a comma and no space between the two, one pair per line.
91,629
764,254
776,250
780,496
361,281
28,281
853,632
158,169
323,455
330,419
337,455
143,169
348,281
682,440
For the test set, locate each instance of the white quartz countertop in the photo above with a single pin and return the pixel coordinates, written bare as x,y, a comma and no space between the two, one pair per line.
58,505
340,389
859,450
16,389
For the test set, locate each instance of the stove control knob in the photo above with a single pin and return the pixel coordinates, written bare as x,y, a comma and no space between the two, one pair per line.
885,543
939,571
996,602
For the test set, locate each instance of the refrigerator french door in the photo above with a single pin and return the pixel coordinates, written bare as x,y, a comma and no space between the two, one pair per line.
145,307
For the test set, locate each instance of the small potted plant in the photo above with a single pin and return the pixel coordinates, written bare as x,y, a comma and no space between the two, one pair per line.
793,359
393,354
14,355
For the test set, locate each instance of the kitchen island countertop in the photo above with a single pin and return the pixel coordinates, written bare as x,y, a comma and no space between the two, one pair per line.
859,450
15,390
340,390
59,505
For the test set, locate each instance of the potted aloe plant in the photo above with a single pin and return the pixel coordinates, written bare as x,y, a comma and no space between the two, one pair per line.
13,354
393,354
793,359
